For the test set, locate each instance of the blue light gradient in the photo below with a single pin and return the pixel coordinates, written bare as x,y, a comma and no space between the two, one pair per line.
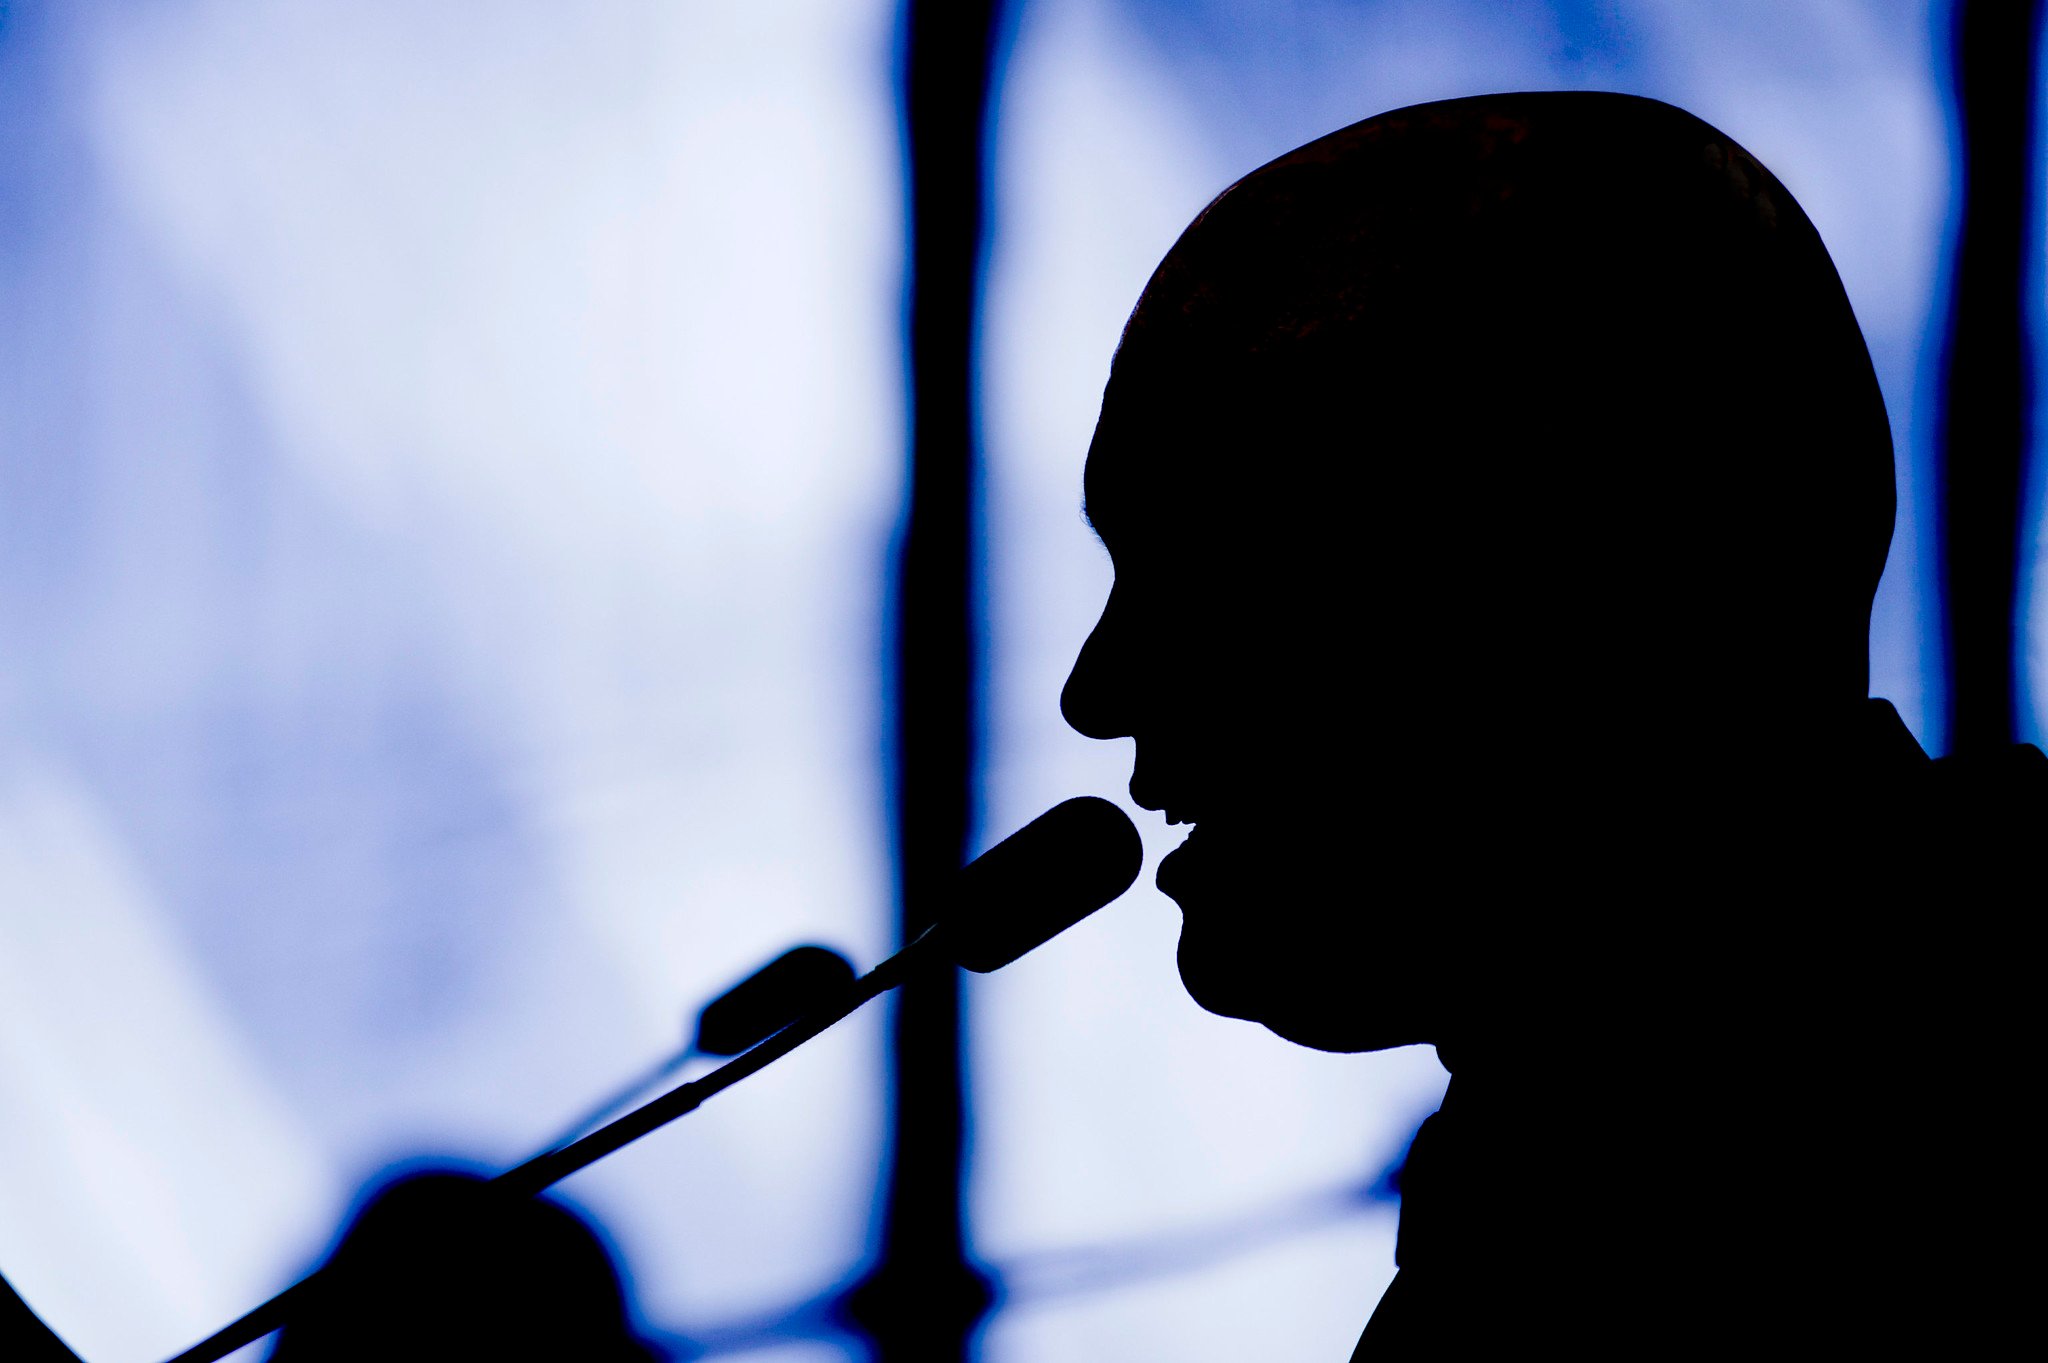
447,460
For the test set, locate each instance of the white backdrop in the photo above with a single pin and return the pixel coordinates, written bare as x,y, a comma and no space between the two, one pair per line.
447,459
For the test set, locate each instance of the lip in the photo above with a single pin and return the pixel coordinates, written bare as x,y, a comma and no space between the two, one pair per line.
1175,812
1175,869
1169,798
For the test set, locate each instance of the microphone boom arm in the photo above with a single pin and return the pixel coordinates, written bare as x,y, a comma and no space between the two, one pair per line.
545,1170
1035,884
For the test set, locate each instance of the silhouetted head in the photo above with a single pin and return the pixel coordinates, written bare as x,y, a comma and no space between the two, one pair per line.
1486,483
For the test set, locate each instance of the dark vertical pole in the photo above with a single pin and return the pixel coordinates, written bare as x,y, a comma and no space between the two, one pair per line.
1987,367
922,1300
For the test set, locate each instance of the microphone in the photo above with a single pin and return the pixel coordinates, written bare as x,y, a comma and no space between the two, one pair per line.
1030,887
1038,882
770,999
742,1017
1018,895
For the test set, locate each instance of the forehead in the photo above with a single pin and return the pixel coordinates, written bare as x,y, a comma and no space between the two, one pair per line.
1166,489
1105,484
1145,465
1194,436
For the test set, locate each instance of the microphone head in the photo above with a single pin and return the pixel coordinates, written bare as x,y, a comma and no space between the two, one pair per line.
1041,880
770,999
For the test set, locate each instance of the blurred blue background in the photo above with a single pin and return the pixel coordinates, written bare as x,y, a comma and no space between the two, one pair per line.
448,455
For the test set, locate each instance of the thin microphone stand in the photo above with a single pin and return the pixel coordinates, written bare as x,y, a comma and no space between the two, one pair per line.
545,1170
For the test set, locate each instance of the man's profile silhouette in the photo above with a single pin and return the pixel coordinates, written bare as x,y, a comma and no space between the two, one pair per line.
1496,491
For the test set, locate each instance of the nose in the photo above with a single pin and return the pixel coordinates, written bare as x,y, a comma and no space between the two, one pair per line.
1092,700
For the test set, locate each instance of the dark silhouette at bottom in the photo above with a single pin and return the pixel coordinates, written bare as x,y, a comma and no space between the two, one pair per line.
440,1266
23,1336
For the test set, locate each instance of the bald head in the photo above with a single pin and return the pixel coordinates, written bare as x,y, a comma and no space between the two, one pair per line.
1489,484
1585,333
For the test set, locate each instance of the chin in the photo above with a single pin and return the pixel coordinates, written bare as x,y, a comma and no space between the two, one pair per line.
1340,1036
1238,980
1220,987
